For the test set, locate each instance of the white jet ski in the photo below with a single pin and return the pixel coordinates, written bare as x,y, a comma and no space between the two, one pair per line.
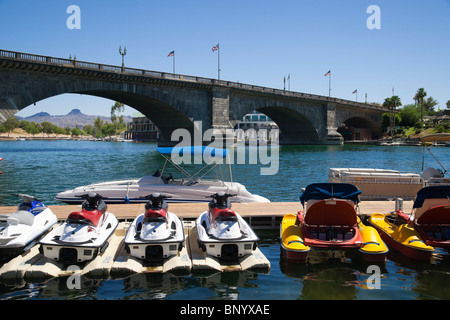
223,233
156,234
83,235
20,230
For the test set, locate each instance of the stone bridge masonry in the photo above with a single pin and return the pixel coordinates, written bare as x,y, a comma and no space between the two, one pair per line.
175,101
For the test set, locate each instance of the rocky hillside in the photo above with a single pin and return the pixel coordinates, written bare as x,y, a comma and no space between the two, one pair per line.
73,118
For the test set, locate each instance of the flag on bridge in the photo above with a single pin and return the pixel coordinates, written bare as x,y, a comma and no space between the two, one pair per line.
171,54
328,73
355,91
215,48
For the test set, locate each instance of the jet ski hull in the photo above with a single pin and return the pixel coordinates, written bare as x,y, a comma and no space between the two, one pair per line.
75,252
225,248
155,248
20,230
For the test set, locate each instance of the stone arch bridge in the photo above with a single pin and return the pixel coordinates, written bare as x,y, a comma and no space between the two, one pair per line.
175,101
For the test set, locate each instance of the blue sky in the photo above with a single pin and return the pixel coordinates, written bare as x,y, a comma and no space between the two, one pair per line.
261,42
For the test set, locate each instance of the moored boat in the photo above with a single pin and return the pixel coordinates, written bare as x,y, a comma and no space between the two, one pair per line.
401,237
223,233
430,216
330,221
21,229
384,184
187,188
157,233
83,235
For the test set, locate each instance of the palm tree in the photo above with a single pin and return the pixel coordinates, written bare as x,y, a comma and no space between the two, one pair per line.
392,103
396,102
420,94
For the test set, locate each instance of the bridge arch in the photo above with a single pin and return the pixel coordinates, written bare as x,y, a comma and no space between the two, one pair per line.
360,128
294,127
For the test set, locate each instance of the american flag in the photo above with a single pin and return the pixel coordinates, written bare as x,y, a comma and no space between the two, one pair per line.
171,54
215,48
355,91
328,73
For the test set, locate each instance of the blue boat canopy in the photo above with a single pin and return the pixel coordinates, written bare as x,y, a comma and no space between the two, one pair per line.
194,150
321,191
431,192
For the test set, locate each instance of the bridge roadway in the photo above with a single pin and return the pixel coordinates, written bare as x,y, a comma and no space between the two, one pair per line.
175,101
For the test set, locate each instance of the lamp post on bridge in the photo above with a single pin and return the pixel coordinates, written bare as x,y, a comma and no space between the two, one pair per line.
123,55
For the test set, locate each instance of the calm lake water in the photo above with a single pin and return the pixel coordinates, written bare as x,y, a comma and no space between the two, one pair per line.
44,168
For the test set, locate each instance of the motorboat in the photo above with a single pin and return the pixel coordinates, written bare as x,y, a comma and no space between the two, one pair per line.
329,220
379,184
186,188
222,233
21,229
384,184
83,235
416,235
156,234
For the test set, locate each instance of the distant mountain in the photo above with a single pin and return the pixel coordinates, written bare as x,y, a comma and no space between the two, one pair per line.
73,118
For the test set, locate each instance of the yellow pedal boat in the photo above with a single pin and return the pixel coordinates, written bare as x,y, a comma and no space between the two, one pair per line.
402,238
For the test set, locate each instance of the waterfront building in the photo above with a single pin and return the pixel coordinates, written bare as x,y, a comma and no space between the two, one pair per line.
141,129
263,127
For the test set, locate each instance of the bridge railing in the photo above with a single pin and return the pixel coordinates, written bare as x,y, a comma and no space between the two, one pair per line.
172,76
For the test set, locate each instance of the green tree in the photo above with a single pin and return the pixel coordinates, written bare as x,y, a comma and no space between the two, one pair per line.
108,129
409,115
428,106
391,104
10,124
88,129
32,128
418,97
98,123
47,127
116,118
76,131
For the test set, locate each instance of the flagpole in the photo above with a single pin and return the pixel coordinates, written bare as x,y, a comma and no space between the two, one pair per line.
174,61
329,86
218,61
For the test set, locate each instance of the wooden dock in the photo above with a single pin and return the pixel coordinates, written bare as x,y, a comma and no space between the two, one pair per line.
116,262
259,215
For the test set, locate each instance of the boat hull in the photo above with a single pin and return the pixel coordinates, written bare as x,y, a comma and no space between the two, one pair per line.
402,239
75,252
225,248
134,191
154,249
18,237
293,247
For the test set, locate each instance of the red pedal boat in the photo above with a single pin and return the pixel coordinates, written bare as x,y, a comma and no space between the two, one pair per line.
330,221
431,215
